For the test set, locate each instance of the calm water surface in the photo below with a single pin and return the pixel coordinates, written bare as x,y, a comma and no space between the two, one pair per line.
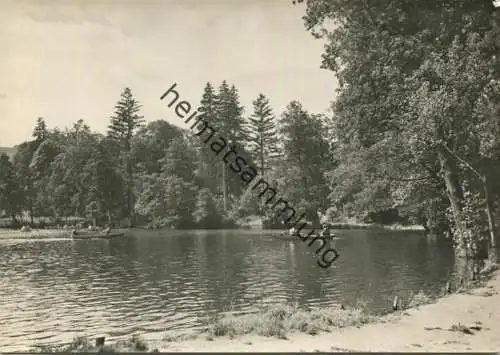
150,283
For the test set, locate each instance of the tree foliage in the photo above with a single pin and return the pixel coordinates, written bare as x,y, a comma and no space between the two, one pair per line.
417,107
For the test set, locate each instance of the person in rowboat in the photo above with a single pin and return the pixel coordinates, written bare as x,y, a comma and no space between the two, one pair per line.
325,232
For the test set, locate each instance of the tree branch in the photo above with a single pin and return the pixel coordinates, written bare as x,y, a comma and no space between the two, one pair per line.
412,179
403,179
481,177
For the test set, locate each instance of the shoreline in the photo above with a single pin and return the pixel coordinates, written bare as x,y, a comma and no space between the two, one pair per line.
54,232
34,234
7,234
468,320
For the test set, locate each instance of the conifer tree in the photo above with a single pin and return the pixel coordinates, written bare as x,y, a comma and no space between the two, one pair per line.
236,113
261,133
207,169
125,120
124,124
208,104
229,112
230,126
40,132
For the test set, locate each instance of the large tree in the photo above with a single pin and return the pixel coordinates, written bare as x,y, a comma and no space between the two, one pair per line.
124,123
207,171
25,176
40,132
229,120
418,91
306,160
150,144
10,193
261,133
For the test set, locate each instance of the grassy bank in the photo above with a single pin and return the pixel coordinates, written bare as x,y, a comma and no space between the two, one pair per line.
83,344
422,323
283,320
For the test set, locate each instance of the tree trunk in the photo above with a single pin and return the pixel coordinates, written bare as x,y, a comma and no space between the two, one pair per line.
224,187
314,218
454,193
130,179
492,245
131,207
262,161
130,195
453,189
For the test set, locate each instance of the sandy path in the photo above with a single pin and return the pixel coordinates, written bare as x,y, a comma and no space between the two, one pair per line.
481,307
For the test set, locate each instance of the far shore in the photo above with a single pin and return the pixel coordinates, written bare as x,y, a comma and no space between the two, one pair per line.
377,226
9,233
52,233
34,233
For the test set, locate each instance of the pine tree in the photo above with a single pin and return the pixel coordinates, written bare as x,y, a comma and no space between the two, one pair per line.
125,120
261,133
208,104
124,124
207,168
229,125
236,114
40,132
229,113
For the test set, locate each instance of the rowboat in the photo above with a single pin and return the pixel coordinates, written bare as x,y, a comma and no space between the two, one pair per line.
96,235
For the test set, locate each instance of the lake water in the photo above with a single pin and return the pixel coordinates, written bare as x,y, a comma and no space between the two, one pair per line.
151,283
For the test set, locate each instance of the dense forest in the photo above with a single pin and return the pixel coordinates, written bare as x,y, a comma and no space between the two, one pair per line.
159,175
416,120
414,137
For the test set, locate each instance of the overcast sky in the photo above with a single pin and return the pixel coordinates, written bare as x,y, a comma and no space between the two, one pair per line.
66,60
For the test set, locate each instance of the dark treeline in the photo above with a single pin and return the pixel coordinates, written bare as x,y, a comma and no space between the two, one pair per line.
414,137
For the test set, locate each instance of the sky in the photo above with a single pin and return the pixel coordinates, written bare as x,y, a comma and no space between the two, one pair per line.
70,60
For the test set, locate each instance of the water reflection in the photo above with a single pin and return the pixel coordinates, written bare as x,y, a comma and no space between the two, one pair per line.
150,282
